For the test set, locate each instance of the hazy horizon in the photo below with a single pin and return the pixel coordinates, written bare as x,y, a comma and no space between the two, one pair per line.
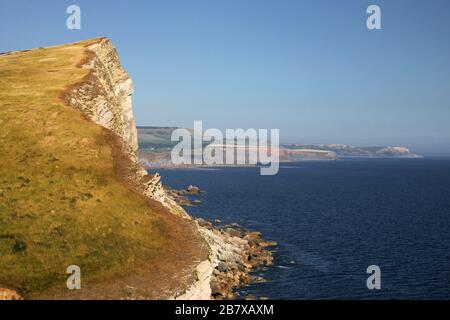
292,140
309,68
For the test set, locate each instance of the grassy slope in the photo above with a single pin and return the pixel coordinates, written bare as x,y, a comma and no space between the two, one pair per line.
60,203
155,137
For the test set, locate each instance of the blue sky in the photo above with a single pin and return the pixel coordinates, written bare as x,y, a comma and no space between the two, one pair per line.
310,68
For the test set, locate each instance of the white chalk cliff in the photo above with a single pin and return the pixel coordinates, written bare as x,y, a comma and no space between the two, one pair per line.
105,98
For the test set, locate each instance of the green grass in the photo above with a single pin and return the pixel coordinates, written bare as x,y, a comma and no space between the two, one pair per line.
60,203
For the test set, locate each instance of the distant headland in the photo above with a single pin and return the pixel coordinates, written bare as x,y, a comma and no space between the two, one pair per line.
155,149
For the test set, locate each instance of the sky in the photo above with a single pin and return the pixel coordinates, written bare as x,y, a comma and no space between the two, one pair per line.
310,68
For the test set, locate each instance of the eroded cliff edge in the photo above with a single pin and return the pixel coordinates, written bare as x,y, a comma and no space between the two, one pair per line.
71,193
103,95
105,98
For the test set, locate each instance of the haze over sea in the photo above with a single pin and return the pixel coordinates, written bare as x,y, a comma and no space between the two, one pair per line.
334,219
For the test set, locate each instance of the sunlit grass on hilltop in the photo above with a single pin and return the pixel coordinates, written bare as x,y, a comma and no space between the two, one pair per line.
60,203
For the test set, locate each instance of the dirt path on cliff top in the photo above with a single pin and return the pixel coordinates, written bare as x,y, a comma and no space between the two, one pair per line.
66,197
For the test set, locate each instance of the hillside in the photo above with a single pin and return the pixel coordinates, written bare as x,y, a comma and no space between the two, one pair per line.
70,192
155,138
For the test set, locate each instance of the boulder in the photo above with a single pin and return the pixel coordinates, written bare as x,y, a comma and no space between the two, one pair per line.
193,189
8,294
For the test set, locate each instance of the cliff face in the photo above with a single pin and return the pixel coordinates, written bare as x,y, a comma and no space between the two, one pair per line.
396,152
105,95
105,98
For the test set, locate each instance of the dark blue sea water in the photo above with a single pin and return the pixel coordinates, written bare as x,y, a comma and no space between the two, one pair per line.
334,219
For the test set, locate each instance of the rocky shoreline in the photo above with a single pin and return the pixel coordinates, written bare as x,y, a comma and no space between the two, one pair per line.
182,196
235,251
238,253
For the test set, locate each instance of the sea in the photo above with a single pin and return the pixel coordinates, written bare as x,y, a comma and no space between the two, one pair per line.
334,219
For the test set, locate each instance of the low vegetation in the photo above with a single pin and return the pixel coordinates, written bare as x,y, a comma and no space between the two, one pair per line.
60,202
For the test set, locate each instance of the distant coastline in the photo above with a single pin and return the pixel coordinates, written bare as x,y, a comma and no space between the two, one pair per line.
155,151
